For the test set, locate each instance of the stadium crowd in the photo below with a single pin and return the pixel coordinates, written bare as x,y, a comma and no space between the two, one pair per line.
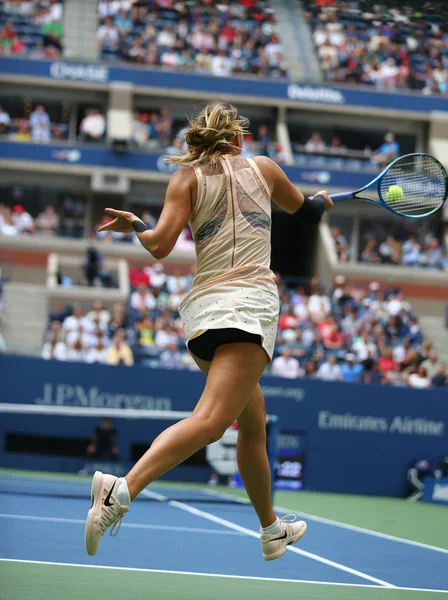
406,250
31,28
220,38
346,334
424,252
388,46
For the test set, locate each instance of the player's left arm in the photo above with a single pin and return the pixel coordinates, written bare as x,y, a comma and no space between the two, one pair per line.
175,214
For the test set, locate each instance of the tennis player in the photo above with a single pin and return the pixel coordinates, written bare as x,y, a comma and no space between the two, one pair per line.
229,316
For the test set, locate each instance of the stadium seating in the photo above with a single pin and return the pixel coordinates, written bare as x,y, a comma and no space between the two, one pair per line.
344,333
219,38
32,28
396,48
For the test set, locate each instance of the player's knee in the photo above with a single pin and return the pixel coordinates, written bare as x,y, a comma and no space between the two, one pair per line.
214,429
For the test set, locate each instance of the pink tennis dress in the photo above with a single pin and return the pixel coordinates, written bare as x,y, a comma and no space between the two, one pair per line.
234,286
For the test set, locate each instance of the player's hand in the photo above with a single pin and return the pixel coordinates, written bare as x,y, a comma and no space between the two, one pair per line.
122,223
328,201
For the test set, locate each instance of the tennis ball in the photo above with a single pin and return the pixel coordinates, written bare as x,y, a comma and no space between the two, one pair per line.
394,193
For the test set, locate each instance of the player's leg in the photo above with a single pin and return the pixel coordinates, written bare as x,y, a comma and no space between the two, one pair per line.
253,466
233,375
253,463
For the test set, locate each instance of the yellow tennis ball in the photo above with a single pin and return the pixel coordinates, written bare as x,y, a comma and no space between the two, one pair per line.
394,193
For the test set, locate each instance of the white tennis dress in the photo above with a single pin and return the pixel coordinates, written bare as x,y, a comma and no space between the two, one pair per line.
231,224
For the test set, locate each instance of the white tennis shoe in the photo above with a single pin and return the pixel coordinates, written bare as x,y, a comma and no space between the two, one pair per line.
106,511
274,545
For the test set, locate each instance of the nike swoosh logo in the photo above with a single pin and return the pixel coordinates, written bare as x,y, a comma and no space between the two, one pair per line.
107,500
282,537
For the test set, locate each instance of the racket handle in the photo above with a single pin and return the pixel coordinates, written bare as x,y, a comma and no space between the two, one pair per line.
342,196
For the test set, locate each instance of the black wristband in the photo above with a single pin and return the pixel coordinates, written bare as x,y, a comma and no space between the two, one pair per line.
313,209
138,226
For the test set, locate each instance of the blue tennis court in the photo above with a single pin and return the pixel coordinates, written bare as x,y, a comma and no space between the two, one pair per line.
194,550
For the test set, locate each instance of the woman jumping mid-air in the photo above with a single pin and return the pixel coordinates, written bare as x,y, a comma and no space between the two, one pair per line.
229,316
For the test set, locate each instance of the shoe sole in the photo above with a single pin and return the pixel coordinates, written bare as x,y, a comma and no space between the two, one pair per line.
280,552
94,514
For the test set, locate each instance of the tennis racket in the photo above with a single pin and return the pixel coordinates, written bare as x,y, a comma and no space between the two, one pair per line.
421,187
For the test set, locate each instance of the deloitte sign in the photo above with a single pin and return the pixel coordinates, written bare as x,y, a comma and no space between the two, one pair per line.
309,93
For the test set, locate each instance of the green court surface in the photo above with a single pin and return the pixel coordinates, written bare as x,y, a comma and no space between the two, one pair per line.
42,582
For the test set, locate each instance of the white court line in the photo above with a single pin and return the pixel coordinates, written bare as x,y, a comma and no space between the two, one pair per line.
219,575
340,524
134,525
250,532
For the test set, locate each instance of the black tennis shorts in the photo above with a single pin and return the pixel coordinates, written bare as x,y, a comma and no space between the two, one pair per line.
204,346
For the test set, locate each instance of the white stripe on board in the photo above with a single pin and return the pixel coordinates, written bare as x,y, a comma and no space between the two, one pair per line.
340,524
250,532
134,525
219,575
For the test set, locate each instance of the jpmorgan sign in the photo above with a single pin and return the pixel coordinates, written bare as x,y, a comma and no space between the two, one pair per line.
61,394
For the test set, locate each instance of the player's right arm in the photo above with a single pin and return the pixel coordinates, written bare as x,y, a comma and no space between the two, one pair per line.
283,192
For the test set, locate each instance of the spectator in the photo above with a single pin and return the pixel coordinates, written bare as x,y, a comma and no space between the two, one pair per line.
336,147
329,370
410,256
419,379
387,362
157,274
171,358
75,321
341,244
139,130
315,143
165,126
351,370
40,125
286,365
221,65
288,320
440,379
388,151
144,333
52,31
99,314
92,262
47,221
103,444
22,220
431,364
370,253
54,350
75,352
97,354
5,121
165,336
23,131
108,36
93,126
119,352
123,22
142,299
138,276
319,306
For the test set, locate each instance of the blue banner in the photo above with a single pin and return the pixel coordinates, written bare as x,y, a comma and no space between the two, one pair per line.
357,438
436,490
94,156
275,90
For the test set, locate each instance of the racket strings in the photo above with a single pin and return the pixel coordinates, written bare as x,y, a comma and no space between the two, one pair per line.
423,182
